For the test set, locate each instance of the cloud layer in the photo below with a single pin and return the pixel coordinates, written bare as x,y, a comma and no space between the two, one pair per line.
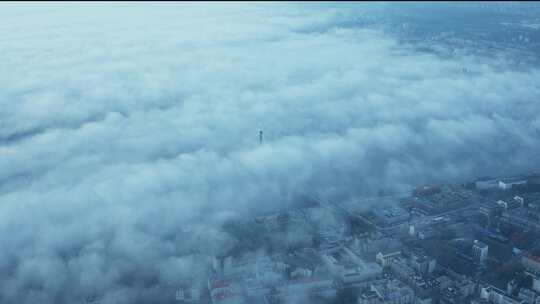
121,125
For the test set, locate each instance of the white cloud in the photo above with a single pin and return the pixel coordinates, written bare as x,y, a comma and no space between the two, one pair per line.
123,123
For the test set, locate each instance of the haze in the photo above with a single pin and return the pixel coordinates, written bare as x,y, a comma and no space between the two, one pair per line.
124,124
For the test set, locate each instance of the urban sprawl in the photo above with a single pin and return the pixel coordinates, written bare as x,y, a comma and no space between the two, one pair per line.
477,242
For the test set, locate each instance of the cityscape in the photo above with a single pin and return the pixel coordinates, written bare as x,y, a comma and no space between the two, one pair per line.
476,242
276,152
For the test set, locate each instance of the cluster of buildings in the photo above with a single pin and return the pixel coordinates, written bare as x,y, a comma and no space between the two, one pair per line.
472,243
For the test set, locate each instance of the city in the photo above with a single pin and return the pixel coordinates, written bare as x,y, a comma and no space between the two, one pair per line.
270,152
477,242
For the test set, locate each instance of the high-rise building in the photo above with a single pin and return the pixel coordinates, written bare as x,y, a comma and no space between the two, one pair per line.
480,251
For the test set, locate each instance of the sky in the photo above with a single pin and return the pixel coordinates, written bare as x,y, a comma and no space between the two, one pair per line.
129,131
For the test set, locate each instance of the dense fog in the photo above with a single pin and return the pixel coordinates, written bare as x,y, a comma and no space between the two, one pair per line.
130,131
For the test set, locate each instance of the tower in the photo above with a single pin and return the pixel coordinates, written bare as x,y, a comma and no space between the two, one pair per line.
260,136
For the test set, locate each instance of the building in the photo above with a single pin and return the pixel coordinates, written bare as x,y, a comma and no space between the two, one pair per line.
387,292
503,204
393,292
535,280
349,268
466,287
500,183
511,286
312,285
426,190
423,264
497,296
368,297
376,244
391,218
531,262
444,282
412,231
401,270
188,295
480,251
489,210
519,200
533,183
524,218
424,299
451,197
508,183
234,267
486,183
368,272
385,258
527,295
428,233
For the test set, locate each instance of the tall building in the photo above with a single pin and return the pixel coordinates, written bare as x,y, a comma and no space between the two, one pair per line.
480,251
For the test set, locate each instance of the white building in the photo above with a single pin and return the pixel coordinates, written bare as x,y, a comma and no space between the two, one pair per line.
480,251
385,258
497,296
507,184
501,183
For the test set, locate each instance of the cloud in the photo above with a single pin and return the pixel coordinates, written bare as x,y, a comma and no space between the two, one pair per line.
123,124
